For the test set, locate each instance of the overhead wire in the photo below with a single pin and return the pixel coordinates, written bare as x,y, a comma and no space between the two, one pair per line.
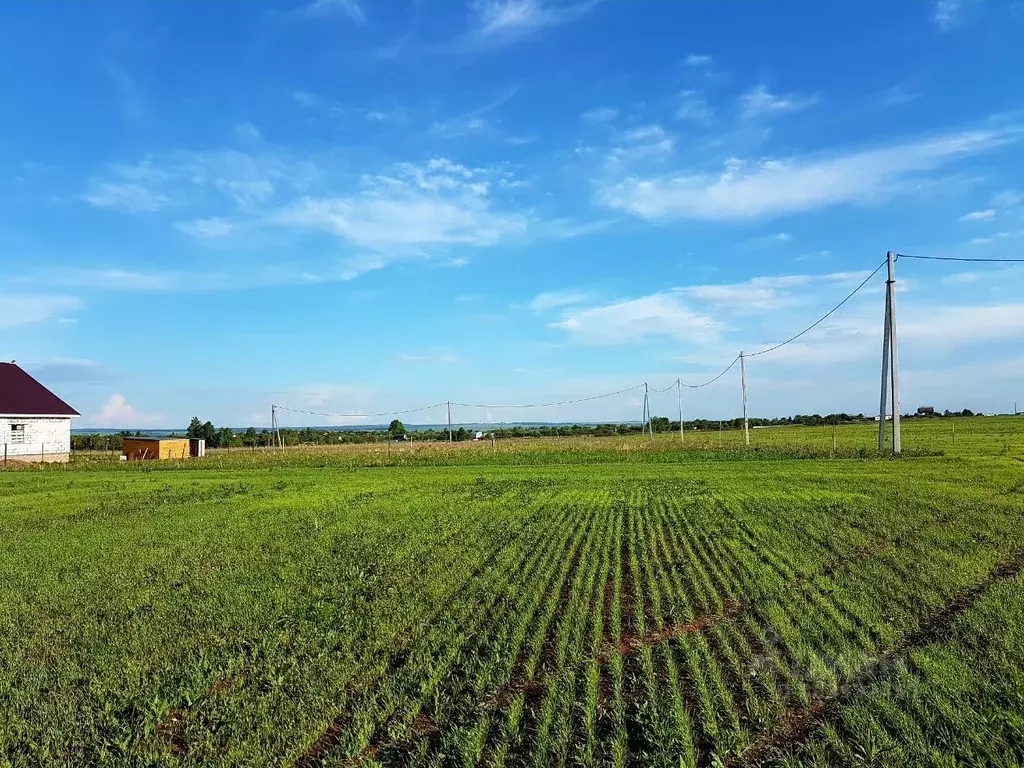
821,319
960,258
677,382
360,415
550,405
716,378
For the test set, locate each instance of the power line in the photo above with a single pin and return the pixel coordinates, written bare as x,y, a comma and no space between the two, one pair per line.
550,405
359,415
712,381
958,258
821,319
677,382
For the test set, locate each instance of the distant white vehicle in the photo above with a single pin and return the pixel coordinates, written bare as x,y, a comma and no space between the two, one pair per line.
478,436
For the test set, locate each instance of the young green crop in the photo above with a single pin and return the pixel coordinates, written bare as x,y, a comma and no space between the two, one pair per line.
550,602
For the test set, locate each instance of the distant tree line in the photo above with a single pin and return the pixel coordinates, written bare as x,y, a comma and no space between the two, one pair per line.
225,437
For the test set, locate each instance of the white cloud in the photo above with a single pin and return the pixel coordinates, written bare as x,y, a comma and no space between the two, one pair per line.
415,209
248,132
698,60
955,326
1007,199
117,412
246,181
979,215
948,13
600,115
627,320
783,237
782,187
459,127
350,8
760,101
761,294
211,228
502,21
125,196
27,309
694,107
553,299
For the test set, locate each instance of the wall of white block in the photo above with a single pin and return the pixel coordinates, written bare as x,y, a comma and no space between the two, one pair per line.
45,439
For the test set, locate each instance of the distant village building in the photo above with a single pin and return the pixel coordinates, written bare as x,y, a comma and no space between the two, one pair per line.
926,410
35,424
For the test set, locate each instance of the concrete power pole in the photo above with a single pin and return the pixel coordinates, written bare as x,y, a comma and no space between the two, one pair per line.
743,384
894,365
679,390
883,398
890,362
449,421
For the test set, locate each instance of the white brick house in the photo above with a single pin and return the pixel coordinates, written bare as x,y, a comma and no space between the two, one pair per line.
35,424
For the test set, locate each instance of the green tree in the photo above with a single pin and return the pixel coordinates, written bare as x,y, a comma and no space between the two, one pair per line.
249,437
225,437
396,428
195,428
660,424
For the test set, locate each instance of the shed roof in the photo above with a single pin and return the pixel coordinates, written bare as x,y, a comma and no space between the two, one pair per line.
21,395
151,439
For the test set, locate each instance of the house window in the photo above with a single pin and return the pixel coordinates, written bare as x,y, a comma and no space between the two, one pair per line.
17,433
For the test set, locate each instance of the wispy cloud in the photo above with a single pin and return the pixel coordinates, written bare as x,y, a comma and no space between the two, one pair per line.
1007,199
780,187
548,300
495,23
211,228
760,101
628,320
350,8
698,60
600,115
948,13
28,309
984,215
124,196
694,107
762,294
410,212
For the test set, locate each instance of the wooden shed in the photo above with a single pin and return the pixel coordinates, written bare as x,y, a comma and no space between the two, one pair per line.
138,448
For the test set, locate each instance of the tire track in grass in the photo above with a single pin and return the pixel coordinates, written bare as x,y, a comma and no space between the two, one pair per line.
325,744
799,724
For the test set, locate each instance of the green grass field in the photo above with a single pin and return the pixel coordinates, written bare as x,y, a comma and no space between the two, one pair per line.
544,602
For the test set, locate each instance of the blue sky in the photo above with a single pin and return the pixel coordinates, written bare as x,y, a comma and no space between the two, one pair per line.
354,207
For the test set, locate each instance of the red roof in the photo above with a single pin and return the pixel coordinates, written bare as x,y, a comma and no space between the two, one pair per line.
21,395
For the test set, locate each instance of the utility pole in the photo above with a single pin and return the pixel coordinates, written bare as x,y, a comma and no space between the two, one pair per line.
883,398
890,362
743,384
647,412
679,390
894,366
449,421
